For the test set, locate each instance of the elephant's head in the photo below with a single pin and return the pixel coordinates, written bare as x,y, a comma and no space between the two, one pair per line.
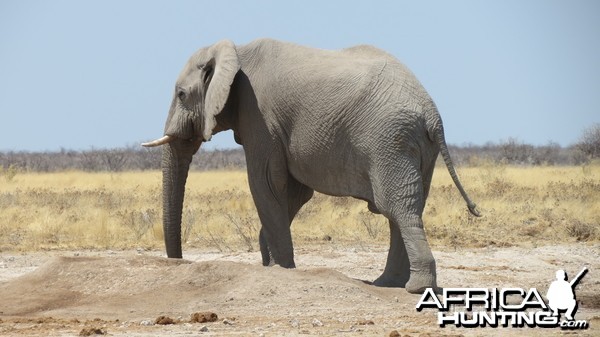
201,92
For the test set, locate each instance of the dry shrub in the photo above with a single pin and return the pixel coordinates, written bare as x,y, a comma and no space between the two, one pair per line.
10,172
582,231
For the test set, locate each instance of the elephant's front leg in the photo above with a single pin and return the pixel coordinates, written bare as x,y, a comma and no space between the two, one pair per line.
275,235
297,195
268,185
267,257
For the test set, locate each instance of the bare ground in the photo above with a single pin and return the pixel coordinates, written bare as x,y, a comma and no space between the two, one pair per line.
123,293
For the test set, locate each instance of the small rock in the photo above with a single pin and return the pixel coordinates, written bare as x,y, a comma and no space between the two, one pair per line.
366,322
204,328
295,323
394,333
92,331
204,317
146,322
227,322
164,320
315,322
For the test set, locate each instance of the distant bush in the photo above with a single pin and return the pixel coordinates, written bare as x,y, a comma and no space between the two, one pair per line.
511,151
115,160
514,152
589,143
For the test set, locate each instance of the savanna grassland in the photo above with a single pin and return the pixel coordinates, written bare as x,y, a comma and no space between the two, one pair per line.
521,206
82,253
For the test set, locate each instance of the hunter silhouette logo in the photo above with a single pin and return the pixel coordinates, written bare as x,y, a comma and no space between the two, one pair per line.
561,294
483,307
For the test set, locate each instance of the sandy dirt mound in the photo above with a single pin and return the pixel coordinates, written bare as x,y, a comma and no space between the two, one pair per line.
147,286
147,295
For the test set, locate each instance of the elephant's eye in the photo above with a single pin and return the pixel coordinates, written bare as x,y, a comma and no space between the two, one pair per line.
181,94
207,73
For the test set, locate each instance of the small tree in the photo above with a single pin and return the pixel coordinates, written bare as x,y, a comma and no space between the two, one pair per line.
113,160
516,152
10,172
589,143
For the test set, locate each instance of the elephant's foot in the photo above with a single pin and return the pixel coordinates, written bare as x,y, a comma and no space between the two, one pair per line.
391,280
269,261
413,283
418,282
272,255
267,258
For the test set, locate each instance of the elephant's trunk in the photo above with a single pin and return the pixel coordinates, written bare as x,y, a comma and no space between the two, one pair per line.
176,159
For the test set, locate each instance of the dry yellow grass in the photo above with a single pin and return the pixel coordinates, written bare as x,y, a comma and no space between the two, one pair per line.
71,210
533,205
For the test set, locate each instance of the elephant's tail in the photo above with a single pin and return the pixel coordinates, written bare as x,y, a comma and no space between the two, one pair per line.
436,132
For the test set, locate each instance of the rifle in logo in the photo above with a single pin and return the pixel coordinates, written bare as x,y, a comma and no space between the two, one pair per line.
561,294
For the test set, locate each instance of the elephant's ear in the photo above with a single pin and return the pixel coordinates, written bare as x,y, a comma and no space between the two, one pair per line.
226,65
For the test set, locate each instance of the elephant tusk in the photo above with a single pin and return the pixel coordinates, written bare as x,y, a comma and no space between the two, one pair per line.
158,142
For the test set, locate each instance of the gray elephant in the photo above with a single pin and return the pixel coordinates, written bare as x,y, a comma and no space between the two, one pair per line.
353,122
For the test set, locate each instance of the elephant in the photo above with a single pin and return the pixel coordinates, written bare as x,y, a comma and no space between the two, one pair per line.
353,122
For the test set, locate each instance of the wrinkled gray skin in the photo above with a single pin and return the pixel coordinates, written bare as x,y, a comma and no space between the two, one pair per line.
354,122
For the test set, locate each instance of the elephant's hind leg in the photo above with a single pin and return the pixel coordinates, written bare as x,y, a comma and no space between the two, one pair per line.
402,200
397,268
422,264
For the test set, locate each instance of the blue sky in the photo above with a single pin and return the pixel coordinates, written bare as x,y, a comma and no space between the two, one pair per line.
82,74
